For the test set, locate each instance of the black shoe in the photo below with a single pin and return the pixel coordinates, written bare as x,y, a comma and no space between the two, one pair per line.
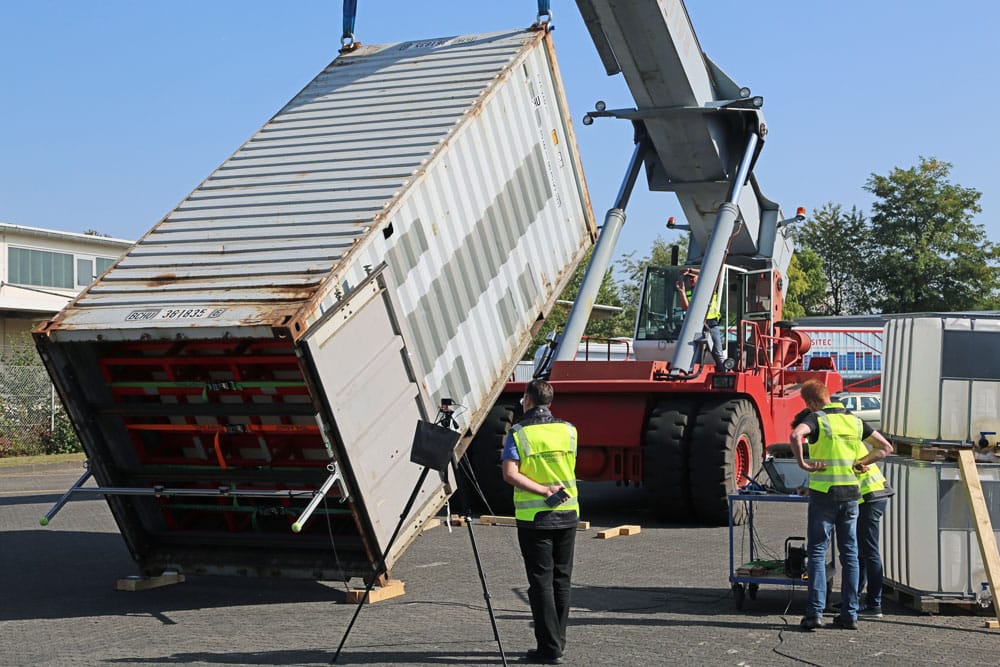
535,657
845,623
870,612
810,623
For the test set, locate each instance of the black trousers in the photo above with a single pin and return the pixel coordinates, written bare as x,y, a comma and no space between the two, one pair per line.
548,562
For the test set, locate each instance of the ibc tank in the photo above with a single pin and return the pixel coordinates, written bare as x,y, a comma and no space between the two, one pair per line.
941,377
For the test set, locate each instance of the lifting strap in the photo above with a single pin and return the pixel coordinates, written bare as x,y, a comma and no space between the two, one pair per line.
347,41
543,21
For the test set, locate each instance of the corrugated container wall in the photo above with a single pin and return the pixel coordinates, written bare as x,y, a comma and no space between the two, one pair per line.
388,239
941,381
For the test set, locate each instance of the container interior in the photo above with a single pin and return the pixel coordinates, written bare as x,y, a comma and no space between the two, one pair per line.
219,416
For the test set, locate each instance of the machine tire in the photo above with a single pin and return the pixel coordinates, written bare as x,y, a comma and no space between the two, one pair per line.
727,443
484,457
665,446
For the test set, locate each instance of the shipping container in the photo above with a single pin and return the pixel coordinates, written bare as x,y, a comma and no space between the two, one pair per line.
928,537
941,381
389,239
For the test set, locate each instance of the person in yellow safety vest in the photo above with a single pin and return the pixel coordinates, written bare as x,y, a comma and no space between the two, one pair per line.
875,493
539,461
685,289
836,447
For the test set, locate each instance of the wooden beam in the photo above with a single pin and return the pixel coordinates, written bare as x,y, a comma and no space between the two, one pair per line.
137,583
392,588
615,532
984,528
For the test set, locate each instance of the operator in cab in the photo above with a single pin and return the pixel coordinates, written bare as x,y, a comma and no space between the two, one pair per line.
685,289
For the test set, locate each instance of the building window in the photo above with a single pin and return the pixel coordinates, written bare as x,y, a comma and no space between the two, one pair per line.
40,267
84,272
103,264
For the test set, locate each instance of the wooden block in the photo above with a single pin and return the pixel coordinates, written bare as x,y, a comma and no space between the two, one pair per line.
926,453
392,589
137,583
992,625
490,520
620,530
583,525
457,520
433,522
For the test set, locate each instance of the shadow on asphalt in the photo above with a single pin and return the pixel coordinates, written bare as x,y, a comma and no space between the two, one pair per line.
381,655
40,499
70,574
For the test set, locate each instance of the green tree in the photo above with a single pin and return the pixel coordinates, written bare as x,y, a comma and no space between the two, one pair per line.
607,295
807,286
929,254
842,243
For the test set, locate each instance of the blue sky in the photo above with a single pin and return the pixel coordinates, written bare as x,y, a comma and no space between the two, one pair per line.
112,111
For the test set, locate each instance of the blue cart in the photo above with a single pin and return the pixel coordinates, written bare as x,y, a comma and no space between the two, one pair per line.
747,586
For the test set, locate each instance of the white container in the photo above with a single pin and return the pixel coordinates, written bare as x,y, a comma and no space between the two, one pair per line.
941,377
386,241
929,543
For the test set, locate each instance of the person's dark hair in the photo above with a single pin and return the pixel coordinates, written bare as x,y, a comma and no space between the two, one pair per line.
540,392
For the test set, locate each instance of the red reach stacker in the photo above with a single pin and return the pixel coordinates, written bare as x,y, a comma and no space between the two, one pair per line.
668,419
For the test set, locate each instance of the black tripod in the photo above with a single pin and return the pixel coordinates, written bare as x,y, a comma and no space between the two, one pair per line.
438,460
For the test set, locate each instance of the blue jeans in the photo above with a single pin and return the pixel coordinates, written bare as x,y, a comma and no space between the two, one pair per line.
718,352
825,516
869,556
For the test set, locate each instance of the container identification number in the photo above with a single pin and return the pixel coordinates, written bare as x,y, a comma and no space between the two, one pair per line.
174,314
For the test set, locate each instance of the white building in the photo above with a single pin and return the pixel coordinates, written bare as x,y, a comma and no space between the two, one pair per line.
42,270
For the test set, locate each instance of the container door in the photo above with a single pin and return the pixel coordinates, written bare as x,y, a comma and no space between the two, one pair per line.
359,361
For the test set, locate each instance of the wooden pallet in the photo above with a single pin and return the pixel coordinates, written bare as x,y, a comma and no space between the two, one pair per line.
927,603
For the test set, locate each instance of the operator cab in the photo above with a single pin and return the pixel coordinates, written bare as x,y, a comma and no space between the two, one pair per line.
747,298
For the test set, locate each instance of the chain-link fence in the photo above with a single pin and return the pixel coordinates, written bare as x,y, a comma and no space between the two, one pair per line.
32,419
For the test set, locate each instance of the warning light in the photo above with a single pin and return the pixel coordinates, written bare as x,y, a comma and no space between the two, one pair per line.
671,222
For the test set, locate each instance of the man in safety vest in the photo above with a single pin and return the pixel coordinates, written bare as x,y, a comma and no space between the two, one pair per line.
835,448
539,461
875,493
685,289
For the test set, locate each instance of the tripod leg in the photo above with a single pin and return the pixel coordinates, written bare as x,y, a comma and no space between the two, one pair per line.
466,509
382,569
486,590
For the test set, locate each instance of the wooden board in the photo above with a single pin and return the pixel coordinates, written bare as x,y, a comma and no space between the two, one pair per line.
490,520
981,519
393,588
137,583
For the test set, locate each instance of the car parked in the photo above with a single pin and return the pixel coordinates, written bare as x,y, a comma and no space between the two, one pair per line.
868,406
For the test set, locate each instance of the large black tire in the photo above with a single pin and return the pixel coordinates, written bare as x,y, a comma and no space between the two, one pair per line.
726,444
665,445
483,456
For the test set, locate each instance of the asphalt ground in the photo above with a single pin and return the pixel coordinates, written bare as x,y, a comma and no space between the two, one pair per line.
661,597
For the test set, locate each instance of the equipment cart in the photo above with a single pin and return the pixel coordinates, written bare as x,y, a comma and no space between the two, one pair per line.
747,585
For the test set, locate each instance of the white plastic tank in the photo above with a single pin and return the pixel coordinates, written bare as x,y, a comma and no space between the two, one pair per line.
941,377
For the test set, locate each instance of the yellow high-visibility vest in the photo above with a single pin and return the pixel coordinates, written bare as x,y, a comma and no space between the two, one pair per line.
547,455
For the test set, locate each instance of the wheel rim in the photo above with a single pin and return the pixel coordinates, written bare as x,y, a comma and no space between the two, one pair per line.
741,461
